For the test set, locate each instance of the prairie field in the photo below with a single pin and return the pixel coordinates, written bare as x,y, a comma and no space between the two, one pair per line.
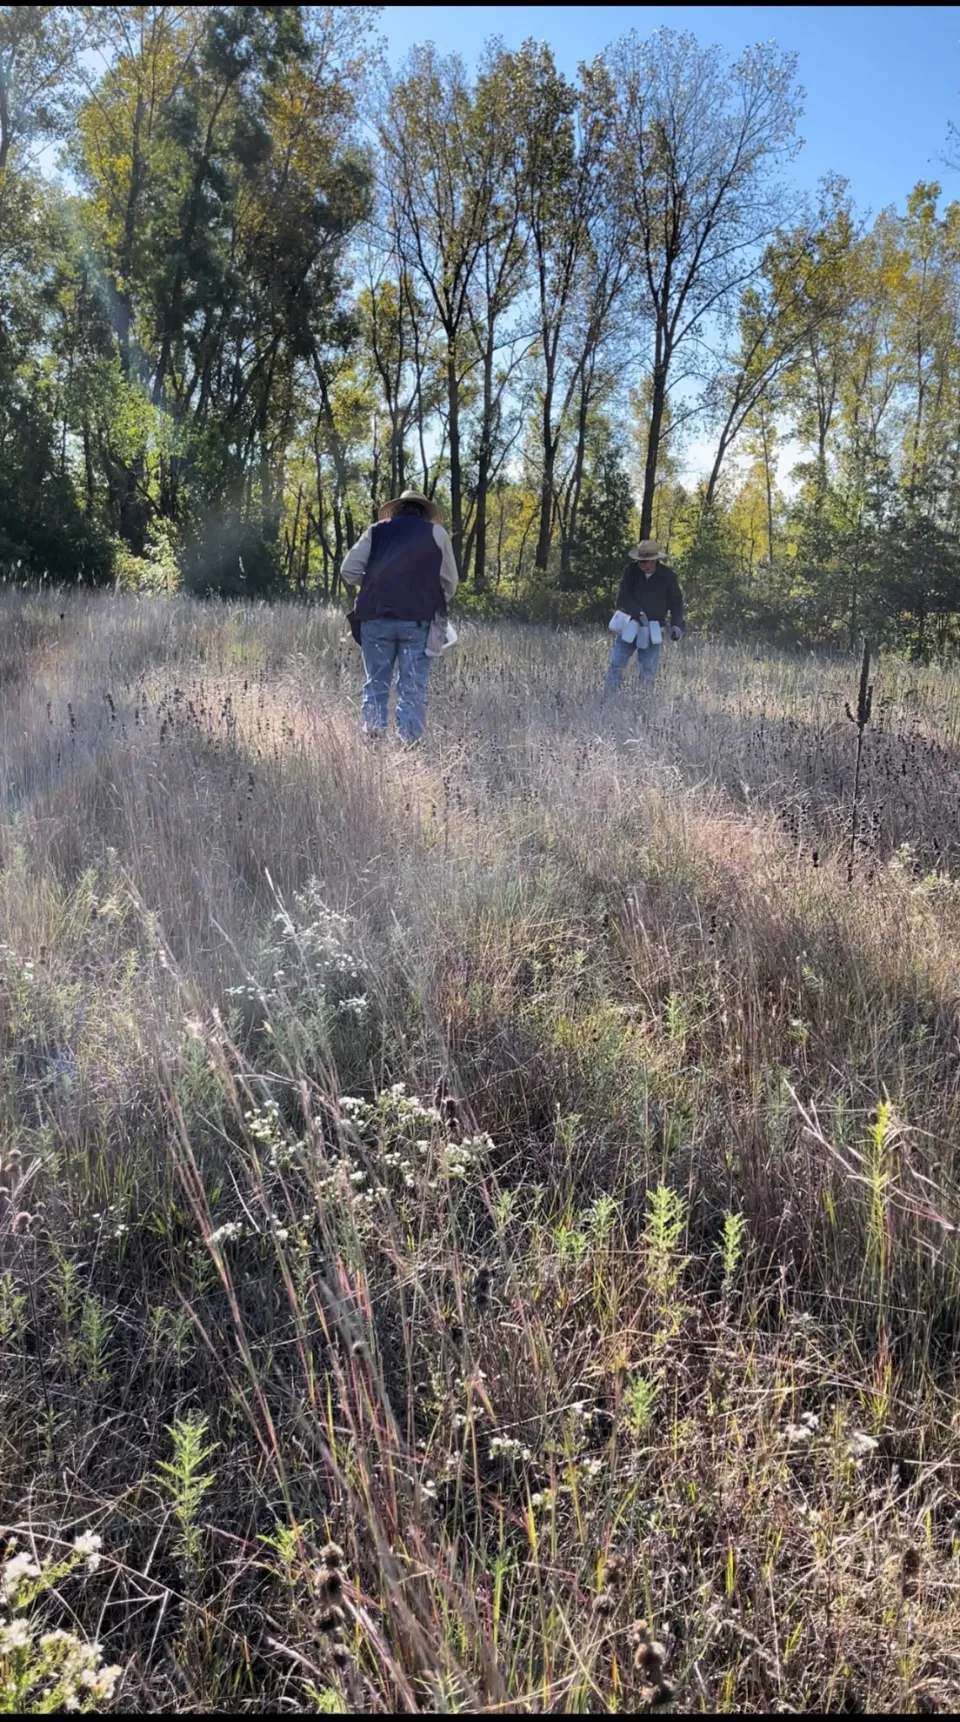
478,1228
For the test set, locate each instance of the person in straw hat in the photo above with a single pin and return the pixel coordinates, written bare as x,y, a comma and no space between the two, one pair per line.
649,592
407,574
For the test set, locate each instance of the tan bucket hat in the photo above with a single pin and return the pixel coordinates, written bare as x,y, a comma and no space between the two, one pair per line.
646,551
391,508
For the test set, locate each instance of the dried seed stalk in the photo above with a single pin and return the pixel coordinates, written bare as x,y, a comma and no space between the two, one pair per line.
861,717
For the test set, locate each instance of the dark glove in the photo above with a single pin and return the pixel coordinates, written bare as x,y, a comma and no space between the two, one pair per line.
641,617
676,633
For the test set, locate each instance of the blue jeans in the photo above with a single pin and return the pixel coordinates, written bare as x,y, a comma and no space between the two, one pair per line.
648,657
385,644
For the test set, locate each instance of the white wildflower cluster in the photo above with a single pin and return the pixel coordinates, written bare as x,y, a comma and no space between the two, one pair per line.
232,1231
456,1160
14,1636
251,990
356,1008
795,1434
542,1499
508,1447
356,1111
229,1233
48,1671
111,1219
75,1670
263,1123
477,1146
459,1157
408,1146
321,936
393,1113
393,1161
88,1545
406,1108
15,1574
856,1445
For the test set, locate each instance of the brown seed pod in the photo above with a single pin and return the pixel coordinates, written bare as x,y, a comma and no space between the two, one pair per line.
910,1571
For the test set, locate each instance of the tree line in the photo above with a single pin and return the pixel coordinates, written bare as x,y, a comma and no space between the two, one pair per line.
279,281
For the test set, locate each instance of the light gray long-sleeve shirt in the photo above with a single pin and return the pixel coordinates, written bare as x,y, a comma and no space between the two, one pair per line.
354,564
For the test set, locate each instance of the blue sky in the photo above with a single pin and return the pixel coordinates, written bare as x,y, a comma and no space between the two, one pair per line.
881,81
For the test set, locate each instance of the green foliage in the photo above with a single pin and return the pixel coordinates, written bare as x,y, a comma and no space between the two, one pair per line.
734,1238
605,528
185,1479
665,1227
44,531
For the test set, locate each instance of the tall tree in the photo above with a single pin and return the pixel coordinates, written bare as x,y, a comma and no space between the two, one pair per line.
579,252
442,198
698,146
496,124
39,49
794,310
224,185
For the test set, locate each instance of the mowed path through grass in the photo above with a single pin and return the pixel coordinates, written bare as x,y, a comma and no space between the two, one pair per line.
529,1164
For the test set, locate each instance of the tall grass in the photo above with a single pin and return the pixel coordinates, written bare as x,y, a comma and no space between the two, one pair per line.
478,1230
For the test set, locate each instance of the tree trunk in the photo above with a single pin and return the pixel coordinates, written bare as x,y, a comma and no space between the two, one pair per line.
375,497
576,485
657,404
88,466
714,479
338,456
6,134
483,469
765,441
545,531
456,474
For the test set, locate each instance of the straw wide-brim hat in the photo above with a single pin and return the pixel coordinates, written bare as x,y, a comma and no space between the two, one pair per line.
391,508
646,551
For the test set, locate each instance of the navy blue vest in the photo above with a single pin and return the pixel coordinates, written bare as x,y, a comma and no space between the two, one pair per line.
402,577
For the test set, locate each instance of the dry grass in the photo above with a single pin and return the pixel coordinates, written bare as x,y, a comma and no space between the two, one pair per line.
645,1310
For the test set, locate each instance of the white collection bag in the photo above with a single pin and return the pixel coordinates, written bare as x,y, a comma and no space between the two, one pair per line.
635,633
441,637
